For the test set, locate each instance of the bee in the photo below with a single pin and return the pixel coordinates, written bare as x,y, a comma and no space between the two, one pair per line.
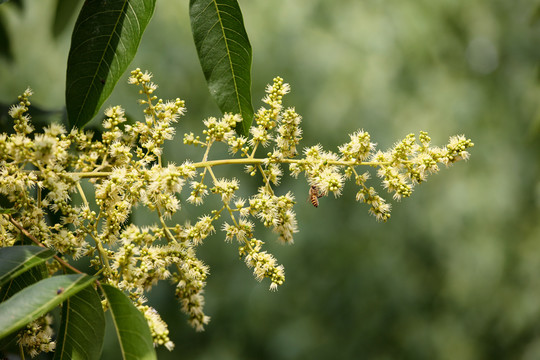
314,195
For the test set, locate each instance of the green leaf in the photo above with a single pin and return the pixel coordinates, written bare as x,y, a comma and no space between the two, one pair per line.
27,278
32,276
65,10
17,259
225,55
105,39
38,299
130,325
82,328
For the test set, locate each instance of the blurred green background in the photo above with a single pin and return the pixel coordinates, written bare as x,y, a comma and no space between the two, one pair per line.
455,273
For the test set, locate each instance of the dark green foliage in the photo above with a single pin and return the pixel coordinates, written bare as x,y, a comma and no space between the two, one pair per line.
104,41
130,325
225,55
82,328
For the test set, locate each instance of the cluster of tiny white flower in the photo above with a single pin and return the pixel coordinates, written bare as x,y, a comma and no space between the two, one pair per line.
37,336
40,173
158,327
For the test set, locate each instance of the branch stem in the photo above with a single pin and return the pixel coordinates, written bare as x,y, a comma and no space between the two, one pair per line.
37,242
241,161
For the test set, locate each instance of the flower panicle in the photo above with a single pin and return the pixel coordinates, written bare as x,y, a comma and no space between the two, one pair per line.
51,172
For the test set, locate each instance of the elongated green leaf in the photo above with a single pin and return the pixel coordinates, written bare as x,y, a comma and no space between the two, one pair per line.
38,299
131,326
82,328
105,39
17,259
225,55
27,278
